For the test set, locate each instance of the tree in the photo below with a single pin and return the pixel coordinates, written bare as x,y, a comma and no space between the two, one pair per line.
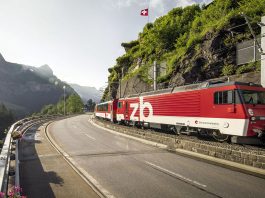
90,105
6,119
74,104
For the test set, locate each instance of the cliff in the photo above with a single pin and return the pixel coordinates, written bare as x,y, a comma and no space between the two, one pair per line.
190,44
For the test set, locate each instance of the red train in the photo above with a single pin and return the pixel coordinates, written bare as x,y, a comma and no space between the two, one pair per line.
222,109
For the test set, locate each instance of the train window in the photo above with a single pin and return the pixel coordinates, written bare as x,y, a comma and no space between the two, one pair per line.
102,107
224,97
216,94
252,96
120,105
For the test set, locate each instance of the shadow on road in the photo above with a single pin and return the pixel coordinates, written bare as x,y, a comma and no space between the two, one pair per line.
35,180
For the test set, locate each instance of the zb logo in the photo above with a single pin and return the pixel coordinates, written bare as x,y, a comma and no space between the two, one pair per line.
141,105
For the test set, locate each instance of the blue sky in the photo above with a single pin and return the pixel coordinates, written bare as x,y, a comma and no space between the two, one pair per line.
78,39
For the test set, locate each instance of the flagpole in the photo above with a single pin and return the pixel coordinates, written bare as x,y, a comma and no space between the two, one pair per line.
148,10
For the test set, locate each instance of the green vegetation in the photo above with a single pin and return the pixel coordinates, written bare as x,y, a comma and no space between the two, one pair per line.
228,70
180,35
73,104
90,105
249,67
6,119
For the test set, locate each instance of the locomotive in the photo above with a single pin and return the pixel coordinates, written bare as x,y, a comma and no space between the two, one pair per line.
221,110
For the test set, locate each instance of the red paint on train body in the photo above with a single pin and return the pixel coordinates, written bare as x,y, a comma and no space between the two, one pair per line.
232,108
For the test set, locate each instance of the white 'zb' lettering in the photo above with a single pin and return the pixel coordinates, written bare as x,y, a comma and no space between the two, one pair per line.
135,107
142,106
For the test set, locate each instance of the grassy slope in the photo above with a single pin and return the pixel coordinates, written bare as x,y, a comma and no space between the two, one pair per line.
180,35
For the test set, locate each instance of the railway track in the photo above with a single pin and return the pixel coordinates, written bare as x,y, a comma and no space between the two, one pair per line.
260,149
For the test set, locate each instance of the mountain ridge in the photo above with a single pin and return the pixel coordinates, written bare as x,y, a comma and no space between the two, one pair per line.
26,89
87,92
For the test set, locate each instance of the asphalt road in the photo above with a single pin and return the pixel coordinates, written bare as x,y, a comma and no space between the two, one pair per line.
44,172
128,168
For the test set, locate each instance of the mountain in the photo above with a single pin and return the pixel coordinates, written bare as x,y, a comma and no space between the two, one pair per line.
26,89
189,44
87,93
1,58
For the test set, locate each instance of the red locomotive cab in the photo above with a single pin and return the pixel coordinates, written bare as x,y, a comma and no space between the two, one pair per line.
120,113
253,100
113,110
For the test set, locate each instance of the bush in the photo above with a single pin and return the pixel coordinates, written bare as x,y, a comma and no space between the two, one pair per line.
228,70
253,66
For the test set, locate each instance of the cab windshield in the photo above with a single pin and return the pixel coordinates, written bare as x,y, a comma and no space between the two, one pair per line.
252,97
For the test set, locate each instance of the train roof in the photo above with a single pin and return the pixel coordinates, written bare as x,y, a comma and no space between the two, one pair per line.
102,103
197,86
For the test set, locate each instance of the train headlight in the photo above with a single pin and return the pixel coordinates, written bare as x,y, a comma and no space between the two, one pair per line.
253,118
251,112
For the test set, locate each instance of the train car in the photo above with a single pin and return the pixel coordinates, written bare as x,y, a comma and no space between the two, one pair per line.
222,109
106,110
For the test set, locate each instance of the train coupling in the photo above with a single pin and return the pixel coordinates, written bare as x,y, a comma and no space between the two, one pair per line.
259,132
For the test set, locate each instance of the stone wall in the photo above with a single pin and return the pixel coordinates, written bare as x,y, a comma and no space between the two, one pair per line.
135,85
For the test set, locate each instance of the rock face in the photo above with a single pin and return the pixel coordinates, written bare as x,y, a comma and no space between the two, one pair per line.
1,58
87,93
205,63
196,66
135,85
191,44
26,89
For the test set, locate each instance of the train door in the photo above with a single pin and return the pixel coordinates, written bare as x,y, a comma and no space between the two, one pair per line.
111,112
126,110
114,110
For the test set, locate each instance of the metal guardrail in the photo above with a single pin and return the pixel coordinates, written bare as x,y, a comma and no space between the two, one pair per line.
21,126
5,159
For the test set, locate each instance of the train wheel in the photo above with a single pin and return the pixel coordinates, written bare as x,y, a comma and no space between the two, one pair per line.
175,130
220,137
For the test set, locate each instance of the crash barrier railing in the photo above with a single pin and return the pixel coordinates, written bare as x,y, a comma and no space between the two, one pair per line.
17,129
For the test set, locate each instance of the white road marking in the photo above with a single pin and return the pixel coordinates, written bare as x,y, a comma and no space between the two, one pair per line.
176,175
89,136
79,170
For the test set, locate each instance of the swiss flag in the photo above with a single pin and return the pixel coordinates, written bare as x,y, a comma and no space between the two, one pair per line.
144,12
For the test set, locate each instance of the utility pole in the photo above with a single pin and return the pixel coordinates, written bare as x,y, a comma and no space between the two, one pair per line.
155,75
64,100
254,36
260,46
109,92
262,72
121,77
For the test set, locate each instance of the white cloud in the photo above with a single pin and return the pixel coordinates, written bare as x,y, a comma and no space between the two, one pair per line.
127,3
158,5
206,2
184,3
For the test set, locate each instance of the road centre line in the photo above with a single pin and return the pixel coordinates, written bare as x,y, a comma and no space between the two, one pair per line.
176,175
89,136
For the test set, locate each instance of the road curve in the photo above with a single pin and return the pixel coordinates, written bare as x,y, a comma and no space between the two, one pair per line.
123,167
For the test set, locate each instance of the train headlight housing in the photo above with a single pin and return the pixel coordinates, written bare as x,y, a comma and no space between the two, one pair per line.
253,118
251,112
